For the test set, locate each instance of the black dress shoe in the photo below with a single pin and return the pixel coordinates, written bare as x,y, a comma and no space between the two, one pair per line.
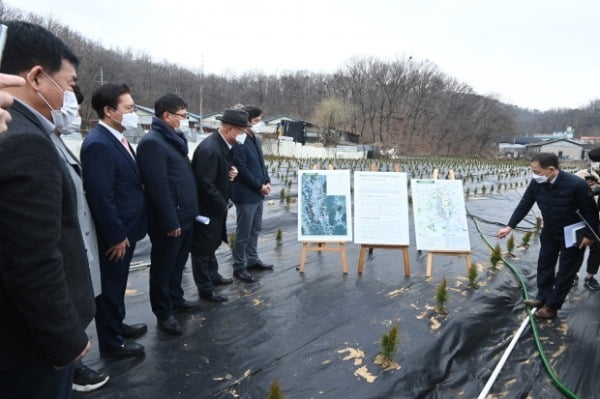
128,349
220,280
212,297
186,306
134,331
170,326
260,266
244,276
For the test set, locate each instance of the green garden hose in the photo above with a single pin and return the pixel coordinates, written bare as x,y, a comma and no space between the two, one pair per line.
533,323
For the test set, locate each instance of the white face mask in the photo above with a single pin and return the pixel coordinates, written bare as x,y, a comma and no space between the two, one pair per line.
596,165
130,120
68,111
184,126
539,179
258,126
241,138
73,126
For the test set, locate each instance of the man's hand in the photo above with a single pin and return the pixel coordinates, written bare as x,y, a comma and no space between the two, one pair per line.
504,232
6,99
233,172
174,233
585,242
117,252
265,190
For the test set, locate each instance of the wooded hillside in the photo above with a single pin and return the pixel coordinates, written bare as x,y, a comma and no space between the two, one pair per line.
405,103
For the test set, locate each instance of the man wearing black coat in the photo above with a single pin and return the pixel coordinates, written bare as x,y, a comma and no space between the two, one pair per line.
559,196
172,197
214,171
46,296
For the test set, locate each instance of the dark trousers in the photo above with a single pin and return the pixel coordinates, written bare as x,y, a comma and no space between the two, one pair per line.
36,380
593,261
554,287
167,261
110,305
204,268
249,223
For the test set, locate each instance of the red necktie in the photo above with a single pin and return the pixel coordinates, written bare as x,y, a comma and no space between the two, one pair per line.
126,145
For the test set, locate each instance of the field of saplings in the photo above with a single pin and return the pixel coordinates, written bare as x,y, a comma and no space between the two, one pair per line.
380,333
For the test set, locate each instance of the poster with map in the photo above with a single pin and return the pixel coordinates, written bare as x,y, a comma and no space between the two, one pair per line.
324,208
439,215
381,208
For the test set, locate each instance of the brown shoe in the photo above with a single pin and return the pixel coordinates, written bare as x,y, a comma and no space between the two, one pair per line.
545,313
533,303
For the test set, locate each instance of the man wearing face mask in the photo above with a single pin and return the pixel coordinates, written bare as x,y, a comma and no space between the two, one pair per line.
592,178
173,202
213,168
559,196
46,296
113,185
249,191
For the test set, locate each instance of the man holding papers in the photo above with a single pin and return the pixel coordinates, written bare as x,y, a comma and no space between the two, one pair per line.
559,196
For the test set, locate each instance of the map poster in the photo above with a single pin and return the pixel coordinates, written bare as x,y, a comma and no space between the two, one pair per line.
381,208
324,209
440,215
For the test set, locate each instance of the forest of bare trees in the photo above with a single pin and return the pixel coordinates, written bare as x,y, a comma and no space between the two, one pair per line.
404,103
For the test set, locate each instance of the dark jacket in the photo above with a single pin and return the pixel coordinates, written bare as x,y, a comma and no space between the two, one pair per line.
558,203
114,190
46,296
211,163
168,178
248,159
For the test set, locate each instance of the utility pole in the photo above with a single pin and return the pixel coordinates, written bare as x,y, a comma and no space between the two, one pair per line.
201,93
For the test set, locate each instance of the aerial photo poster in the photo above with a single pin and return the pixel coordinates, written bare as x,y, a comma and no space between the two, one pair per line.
324,207
439,215
381,208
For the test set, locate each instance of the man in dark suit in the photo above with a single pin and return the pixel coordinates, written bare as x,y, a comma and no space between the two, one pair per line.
114,191
46,297
173,202
249,191
562,198
214,171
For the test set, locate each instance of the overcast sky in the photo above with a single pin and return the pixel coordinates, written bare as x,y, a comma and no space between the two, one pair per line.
537,54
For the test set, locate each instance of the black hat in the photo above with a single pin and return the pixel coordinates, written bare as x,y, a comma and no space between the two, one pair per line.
235,117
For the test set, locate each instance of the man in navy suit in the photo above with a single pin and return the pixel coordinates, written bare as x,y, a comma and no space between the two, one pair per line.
249,191
172,199
46,297
115,194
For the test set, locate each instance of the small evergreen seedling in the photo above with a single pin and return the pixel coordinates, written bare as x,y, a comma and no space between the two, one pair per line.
483,190
282,195
526,239
275,391
441,296
279,238
496,256
538,225
510,244
473,277
389,342
231,240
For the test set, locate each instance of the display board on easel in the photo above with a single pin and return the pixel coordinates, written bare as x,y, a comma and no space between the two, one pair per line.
324,212
381,213
440,219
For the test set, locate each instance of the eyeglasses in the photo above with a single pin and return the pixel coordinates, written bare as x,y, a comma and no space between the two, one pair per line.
184,116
